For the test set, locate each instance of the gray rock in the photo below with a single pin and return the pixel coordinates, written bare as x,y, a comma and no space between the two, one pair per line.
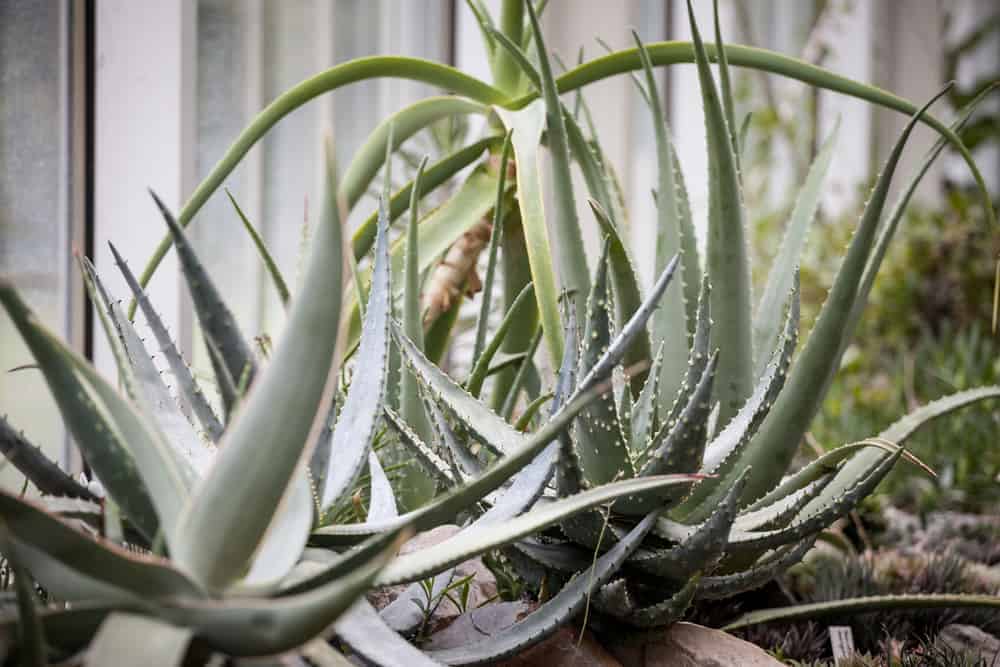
970,638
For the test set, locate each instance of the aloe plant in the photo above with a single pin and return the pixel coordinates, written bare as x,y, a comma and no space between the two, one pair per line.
638,497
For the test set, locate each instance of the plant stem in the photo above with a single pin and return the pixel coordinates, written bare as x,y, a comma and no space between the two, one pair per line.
508,74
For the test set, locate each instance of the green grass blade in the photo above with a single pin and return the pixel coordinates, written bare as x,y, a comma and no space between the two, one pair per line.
767,319
265,255
260,454
728,257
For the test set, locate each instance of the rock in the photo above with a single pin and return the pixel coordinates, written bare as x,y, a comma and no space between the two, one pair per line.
564,649
690,645
970,638
479,623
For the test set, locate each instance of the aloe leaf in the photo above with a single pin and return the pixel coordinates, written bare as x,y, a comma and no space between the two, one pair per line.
644,410
703,549
527,126
125,453
680,442
404,124
188,390
259,454
565,604
217,322
671,53
816,470
161,645
476,539
506,73
899,432
367,634
435,175
723,453
670,325
669,610
382,500
726,585
625,286
410,404
191,457
725,86
267,626
767,319
777,513
438,230
598,438
142,575
427,457
517,312
464,463
265,255
864,604
888,228
281,547
520,58
530,410
565,230
449,78
355,429
632,329
521,448
482,321
830,504
474,416
30,633
728,258
44,473
486,27
797,404
521,377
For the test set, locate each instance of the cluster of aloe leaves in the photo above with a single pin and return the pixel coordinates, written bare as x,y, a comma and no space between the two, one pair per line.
658,478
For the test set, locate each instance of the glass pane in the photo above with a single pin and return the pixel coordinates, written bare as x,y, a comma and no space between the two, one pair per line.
248,54
34,219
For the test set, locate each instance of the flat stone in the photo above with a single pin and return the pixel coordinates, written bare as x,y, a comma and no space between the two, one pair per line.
970,638
564,649
690,645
